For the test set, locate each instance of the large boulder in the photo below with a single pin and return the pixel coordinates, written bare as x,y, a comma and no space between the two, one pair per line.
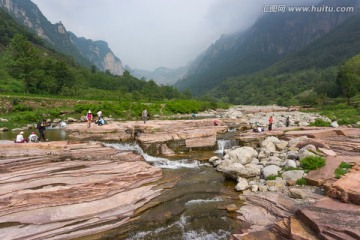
271,170
267,144
235,170
293,175
243,155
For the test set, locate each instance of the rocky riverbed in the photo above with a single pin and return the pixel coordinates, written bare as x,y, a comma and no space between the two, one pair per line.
68,189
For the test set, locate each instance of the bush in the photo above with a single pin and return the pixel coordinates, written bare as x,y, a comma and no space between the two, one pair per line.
301,182
312,162
272,177
320,123
22,108
342,169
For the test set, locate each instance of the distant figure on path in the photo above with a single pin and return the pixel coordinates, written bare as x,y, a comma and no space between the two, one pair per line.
89,118
33,137
216,122
270,123
287,121
144,115
20,138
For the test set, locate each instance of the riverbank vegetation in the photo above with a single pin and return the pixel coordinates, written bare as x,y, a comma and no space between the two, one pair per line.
36,82
20,110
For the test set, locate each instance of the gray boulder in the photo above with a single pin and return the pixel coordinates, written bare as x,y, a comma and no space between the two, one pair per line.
241,155
271,170
293,175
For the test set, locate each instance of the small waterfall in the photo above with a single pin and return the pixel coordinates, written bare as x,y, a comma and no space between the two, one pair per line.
158,161
223,144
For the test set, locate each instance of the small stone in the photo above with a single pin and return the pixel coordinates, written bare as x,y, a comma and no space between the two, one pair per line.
231,208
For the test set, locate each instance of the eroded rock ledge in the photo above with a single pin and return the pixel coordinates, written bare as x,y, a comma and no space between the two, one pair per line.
62,190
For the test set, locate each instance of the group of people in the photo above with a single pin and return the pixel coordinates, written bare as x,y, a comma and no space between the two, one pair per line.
100,121
271,120
41,126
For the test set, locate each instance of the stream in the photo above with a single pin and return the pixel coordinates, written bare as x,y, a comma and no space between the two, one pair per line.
192,206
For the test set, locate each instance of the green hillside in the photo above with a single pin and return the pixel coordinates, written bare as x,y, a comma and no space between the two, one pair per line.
306,77
27,66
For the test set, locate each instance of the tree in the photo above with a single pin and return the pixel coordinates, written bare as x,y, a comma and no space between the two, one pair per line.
23,61
349,77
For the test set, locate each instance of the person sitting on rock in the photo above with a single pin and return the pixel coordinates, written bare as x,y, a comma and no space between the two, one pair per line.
33,137
20,138
216,122
101,121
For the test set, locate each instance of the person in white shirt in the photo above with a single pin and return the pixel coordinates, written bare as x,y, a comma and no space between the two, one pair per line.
99,114
33,137
20,138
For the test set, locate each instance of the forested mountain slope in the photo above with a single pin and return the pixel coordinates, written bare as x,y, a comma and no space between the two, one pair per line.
272,38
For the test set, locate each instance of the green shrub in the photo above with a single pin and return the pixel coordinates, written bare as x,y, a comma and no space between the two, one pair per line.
292,168
22,108
301,181
272,177
26,117
320,123
312,162
342,169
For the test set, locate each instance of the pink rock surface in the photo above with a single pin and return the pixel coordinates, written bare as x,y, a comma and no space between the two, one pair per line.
332,219
347,188
177,134
58,190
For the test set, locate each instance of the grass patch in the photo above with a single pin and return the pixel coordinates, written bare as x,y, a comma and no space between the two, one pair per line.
272,177
301,182
320,123
342,169
341,112
292,168
312,162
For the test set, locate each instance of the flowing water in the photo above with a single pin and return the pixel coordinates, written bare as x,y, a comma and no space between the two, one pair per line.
192,208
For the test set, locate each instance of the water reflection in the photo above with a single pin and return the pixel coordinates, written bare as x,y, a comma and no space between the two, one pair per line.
53,134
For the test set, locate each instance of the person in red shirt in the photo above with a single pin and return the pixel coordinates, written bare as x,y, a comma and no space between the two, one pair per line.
89,118
270,123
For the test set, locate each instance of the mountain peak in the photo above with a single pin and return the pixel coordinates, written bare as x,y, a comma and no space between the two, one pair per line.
87,53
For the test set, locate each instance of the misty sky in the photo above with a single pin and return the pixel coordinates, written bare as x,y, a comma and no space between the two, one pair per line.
148,34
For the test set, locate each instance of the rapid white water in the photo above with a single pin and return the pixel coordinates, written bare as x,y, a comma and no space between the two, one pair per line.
223,144
158,161
202,201
182,225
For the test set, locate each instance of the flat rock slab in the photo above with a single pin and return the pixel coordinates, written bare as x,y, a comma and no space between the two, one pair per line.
320,176
347,188
332,219
313,133
176,134
58,190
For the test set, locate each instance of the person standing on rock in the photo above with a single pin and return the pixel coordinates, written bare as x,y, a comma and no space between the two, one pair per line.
89,118
144,115
42,128
287,121
270,122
